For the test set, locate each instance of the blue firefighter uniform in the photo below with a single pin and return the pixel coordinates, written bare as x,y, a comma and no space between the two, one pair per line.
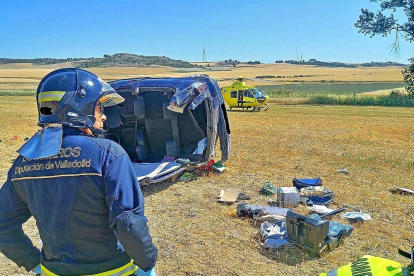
88,207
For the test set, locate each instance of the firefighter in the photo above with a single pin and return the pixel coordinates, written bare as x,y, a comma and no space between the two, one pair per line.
80,188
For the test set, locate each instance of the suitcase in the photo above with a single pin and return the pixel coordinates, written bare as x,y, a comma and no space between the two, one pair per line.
311,233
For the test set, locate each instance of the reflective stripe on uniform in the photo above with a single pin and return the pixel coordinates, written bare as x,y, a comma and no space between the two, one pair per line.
50,96
55,176
126,270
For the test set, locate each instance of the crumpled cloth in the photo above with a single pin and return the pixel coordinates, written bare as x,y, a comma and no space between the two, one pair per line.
274,235
316,195
320,209
254,211
268,189
355,216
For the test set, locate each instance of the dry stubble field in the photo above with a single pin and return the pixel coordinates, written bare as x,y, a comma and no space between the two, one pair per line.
193,232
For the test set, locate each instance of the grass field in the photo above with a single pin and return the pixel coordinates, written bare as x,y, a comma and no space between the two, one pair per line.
193,232
307,90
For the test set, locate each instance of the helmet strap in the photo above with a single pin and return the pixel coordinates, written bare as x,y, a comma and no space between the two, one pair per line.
98,132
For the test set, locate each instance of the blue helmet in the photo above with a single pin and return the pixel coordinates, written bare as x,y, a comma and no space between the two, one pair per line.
68,97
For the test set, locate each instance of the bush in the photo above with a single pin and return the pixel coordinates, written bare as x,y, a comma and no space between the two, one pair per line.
399,101
409,80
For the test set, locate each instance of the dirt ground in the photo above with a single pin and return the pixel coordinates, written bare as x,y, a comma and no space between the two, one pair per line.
192,230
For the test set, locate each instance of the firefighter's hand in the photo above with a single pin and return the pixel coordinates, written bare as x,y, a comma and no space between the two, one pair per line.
150,272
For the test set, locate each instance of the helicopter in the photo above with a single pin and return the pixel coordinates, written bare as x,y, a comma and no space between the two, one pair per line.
241,95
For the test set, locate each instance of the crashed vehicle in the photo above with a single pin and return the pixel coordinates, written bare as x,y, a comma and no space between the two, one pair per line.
167,125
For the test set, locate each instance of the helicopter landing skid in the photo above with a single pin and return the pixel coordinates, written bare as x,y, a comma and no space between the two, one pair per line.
259,108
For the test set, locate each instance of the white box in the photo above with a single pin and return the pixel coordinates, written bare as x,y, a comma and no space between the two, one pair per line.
287,197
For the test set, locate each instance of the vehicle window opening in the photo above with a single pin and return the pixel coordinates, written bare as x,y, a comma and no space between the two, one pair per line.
155,132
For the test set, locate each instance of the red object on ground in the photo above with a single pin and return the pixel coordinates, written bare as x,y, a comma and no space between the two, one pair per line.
15,137
207,167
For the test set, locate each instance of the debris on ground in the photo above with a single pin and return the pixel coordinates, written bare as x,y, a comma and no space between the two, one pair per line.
279,226
15,137
254,211
320,209
356,216
287,197
273,235
344,171
268,189
270,218
243,196
188,176
334,212
315,234
232,213
404,190
218,167
229,195
207,167
306,182
316,195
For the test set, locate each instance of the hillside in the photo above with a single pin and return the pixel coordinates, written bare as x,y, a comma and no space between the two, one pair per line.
116,60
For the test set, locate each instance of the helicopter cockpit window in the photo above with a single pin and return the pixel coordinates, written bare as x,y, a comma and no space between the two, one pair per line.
248,93
258,93
233,94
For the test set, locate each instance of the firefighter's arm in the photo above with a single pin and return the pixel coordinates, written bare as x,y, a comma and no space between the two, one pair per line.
14,244
126,212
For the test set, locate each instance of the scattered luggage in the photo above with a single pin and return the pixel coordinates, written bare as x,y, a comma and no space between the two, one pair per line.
315,234
302,183
287,197
316,195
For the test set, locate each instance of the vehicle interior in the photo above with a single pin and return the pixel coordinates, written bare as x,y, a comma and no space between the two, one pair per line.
149,132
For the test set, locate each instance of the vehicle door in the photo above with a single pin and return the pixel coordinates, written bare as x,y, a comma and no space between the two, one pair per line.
248,97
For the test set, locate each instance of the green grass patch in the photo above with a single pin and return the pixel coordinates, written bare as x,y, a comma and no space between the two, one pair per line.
309,90
397,101
17,92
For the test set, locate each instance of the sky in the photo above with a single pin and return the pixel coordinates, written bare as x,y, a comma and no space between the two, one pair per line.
245,30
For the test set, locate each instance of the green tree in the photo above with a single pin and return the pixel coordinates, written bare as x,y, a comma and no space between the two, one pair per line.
372,24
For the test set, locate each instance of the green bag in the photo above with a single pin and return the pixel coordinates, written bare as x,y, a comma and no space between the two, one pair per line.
268,189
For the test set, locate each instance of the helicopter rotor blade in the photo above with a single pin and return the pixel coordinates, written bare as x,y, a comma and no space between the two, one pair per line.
261,80
226,79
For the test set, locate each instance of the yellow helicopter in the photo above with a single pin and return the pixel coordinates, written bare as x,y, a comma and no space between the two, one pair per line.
241,95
